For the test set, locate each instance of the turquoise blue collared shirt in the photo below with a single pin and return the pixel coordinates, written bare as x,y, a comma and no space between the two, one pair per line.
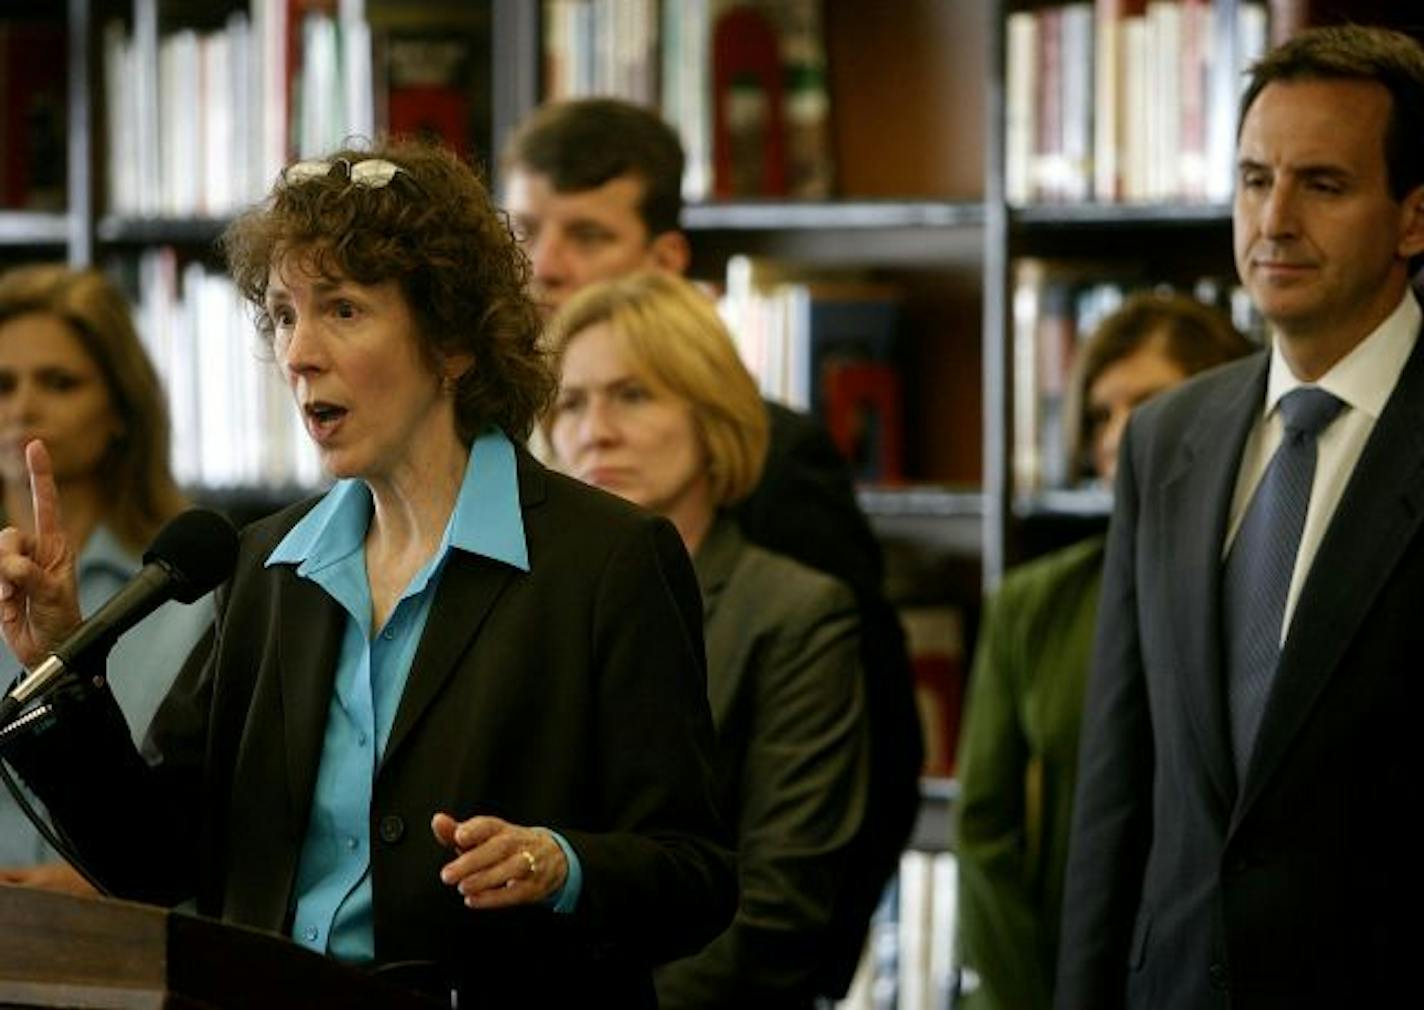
333,913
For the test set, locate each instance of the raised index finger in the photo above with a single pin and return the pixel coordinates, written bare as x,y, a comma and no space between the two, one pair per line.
44,495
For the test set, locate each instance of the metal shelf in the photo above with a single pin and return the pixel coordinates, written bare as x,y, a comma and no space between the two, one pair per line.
1125,215
934,828
1075,503
921,500
189,231
831,215
28,228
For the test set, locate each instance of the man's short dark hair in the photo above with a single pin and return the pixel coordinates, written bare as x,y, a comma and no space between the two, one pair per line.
584,143
1358,53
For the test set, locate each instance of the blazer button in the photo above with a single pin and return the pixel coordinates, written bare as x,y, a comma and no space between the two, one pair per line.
1219,978
392,829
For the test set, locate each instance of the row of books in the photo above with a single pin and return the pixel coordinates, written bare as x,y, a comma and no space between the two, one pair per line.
827,343
744,83
234,424
32,115
934,636
199,123
1126,100
601,47
1056,307
908,963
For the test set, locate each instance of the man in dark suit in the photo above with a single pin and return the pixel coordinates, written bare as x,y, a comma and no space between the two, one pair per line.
1239,838
594,191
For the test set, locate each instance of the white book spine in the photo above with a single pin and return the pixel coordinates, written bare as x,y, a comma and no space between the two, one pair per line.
1137,86
1077,62
1107,108
916,886
1020,101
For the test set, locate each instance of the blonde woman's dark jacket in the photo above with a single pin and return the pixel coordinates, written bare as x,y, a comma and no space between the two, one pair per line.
784,681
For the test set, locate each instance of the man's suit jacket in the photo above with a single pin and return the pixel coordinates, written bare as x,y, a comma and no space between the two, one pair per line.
1299,886
572,696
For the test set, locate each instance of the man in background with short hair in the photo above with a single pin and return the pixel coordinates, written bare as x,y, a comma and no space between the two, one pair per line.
594,190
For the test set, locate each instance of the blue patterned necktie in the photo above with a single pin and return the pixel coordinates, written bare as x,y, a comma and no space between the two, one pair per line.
1258,568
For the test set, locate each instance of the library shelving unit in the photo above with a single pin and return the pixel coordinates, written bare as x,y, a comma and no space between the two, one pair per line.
920,123
31,34
101,60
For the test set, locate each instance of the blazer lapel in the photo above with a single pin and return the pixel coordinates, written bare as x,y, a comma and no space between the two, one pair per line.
1379,512
309,628
468,588
1196,502
715,562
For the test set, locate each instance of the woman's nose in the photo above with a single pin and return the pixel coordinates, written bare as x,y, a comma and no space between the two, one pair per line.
599,426
301,351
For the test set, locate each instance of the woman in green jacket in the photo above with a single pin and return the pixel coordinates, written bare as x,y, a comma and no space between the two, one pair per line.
1019,752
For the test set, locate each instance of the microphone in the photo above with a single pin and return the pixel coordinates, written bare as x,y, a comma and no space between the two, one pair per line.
191,556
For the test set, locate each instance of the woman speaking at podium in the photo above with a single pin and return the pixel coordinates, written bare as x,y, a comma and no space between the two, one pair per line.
455,712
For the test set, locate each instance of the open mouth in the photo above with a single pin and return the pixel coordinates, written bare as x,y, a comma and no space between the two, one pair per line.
323,418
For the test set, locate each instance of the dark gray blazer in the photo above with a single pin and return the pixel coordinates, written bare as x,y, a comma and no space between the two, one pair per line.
783,676
1300,886
572,696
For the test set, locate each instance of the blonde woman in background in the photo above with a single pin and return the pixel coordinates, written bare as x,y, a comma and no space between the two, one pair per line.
73,373
655,406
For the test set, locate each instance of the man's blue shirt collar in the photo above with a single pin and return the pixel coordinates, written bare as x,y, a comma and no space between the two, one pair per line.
486,520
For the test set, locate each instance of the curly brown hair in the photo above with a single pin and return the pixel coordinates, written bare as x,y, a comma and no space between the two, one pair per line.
433,229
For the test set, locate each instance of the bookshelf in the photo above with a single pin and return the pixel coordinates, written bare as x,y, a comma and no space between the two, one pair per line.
176,113
921,145
919,134
909,134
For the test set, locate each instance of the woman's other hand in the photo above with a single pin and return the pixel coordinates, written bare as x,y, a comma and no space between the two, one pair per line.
498,864
48,877
39,598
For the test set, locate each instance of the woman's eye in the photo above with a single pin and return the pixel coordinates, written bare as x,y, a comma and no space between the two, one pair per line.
62,382
345,309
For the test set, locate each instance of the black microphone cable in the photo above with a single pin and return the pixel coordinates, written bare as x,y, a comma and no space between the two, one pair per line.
50,833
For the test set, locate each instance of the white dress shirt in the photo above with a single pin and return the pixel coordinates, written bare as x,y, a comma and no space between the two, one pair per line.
1364,380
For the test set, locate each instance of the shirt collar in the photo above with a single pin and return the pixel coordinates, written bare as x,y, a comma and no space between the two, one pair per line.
1365,377
103,551
486,519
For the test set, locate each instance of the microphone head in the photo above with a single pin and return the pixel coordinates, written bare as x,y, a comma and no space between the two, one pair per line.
199,548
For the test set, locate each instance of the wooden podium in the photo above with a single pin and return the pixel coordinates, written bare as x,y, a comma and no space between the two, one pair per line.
57,950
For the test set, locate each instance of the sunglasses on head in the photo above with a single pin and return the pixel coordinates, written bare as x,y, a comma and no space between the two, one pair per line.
373,173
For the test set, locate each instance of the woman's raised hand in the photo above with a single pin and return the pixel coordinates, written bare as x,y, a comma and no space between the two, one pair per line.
39,597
